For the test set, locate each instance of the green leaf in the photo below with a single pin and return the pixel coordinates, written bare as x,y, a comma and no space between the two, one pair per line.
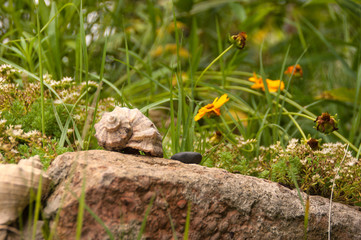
346,95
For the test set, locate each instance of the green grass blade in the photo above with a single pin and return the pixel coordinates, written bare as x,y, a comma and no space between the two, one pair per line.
37,206
188,221
41,77
144,222
80,216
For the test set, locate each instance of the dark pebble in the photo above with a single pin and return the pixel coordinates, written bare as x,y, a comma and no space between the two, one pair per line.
188,157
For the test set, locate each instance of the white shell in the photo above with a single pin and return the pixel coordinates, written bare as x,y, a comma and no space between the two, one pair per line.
127,130
16,182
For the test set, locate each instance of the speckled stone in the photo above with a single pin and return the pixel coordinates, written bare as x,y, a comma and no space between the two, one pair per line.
188,157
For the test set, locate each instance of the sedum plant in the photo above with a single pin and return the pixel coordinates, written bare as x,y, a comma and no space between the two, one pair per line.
315,170
20,121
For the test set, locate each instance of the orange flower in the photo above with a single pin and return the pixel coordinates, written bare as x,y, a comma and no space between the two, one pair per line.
273,85
258,83
169,49
212,108
297,71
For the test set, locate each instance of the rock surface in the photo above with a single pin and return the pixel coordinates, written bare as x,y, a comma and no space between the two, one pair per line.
119,188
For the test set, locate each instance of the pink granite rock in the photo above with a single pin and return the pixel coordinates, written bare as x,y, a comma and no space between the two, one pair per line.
119,187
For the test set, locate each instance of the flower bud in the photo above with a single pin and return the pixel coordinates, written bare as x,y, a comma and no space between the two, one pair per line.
326,123
239,40
313,143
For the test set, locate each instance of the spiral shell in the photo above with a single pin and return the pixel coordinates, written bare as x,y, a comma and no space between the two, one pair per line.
16,183
128,130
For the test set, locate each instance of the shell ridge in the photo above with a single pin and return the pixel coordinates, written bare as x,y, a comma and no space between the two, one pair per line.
135,131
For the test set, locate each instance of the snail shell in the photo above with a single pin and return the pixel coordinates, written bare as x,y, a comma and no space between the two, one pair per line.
15,185
128,130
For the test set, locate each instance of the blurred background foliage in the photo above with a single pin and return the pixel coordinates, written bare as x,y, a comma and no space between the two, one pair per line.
150,58
152,55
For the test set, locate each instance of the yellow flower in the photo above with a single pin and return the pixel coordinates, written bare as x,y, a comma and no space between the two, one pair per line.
172,49
169,49
158,51
185,78
258,83
296,72
273,85
212,108
180,26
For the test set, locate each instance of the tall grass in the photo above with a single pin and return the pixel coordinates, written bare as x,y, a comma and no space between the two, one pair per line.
67,39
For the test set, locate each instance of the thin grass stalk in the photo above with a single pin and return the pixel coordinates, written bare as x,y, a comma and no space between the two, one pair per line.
144,75
299,30
66,126
330,47
126,51
96,95
293,177
259,133
31,208
221,60
332,189
80,216
44,27
296,124
63,197
85,56
41,77
210,65
188,221
267,93
174,233
260,117
181,98
358,152
97,219
278,117
356,109
172,118
144,222
307,213
37,207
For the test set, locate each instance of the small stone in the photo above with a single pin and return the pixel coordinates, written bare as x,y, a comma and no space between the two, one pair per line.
181,203
188,157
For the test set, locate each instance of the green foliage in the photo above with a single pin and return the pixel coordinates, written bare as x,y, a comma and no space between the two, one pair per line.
21,121
280,170
31,120
315,170
170,61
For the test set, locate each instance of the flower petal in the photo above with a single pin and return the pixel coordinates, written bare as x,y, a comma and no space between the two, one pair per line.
222,100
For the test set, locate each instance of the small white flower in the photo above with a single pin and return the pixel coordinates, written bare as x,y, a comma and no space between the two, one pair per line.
315,177
2,121
17,132
67,80
303,161
14,151
57,101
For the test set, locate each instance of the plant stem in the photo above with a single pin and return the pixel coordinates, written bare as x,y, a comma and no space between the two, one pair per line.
41,78
215,60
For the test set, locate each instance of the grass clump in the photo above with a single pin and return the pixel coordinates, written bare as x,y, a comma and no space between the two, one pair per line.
276,74
21,123
315,170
